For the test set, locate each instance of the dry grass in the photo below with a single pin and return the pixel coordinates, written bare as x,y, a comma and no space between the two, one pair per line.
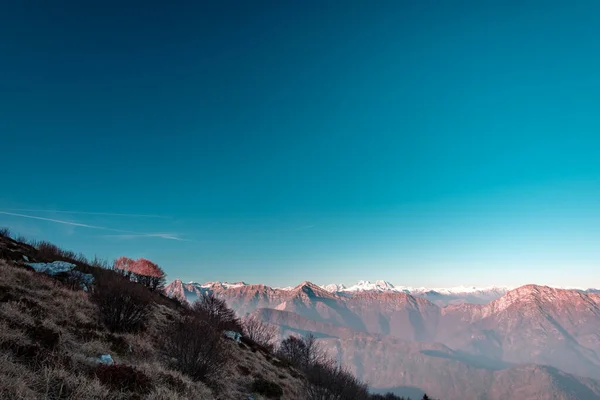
50,337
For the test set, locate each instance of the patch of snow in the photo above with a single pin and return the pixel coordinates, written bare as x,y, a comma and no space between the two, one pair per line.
25,258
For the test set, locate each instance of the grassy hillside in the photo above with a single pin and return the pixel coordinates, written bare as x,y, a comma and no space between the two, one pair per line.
51,335
77,329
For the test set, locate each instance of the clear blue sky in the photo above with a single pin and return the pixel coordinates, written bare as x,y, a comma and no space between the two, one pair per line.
420,142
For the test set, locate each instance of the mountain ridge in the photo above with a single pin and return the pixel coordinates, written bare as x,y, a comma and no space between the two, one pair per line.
383,333
439,296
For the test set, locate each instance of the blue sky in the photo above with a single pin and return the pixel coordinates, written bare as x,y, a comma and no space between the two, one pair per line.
413,141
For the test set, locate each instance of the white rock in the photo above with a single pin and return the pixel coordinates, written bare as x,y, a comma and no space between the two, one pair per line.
105,359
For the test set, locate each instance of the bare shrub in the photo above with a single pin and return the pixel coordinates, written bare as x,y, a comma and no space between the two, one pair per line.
51,252
99,263
302,352
194,347
217,313
5,232
328,381
325,379
124,306
260,332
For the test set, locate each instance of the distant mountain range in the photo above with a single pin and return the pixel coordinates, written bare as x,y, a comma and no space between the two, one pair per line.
439,296
532,342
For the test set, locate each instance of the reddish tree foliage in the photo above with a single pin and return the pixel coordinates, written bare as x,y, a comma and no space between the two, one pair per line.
124,265
147,268
142,271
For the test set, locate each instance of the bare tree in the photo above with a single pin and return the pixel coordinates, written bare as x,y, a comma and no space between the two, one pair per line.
124,305
303,352
316,354
260,332
216,311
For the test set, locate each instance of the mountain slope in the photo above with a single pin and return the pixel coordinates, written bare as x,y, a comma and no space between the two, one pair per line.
53,332
419,344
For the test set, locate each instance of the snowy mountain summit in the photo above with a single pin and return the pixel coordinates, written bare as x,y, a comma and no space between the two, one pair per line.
377,286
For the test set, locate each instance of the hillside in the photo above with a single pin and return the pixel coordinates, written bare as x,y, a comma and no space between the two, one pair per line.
52,337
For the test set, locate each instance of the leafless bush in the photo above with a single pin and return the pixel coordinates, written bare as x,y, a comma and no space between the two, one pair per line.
124,305
260,332
51,252
293,349
5,232
194,347
325,379
328,381
217,313
302,352
21,239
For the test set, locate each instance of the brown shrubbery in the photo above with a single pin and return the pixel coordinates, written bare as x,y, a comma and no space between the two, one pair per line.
124,306
303,352
325,379
216,312
194,347
259,332
331,381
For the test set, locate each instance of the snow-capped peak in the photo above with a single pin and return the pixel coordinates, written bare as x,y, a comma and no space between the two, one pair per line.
334,287
286,288
385,286
379,286
224,285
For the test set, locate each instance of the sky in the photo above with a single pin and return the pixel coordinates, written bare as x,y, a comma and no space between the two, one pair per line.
425,143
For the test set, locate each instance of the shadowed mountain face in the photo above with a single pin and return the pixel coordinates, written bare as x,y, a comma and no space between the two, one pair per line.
533,342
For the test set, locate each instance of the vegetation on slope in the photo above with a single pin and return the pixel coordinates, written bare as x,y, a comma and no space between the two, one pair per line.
53,332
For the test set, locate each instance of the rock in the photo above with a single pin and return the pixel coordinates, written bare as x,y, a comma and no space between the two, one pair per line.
234,335
61,267
53,268
105,359
85,280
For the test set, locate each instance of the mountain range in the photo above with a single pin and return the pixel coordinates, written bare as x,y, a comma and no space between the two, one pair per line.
460,343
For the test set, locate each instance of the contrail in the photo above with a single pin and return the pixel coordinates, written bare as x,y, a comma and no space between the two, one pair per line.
168,236
89,213
130,233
